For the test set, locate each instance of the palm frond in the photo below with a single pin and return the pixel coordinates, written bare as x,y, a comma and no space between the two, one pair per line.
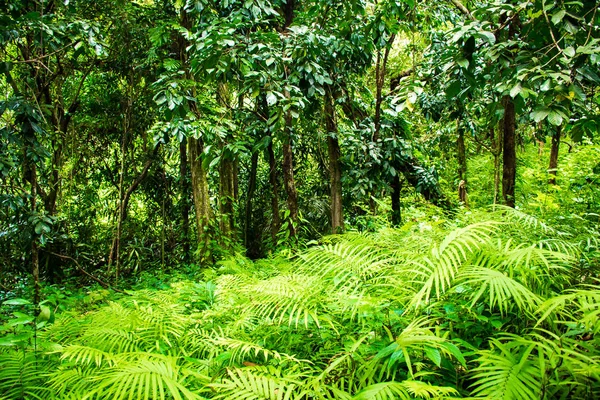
506,372
406,390
85,355
241,350
524,219
436,272
291,299
502,291
156,378
417,337
22,375
256,383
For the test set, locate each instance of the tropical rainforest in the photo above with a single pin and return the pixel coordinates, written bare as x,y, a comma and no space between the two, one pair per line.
299,199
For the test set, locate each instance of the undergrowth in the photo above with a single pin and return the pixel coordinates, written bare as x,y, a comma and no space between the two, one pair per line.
498,305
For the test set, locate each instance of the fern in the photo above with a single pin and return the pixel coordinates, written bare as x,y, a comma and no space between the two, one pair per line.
406,390
436,272
290,299
506,372
257,383
22,375
502,291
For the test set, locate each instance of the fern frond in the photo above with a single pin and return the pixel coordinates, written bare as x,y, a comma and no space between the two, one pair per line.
85,355
290,300
241,350
502,290
144,379
347,264
507,372
406,390
581,305
114,340
416,337
257,383
524,219
22,375
436,272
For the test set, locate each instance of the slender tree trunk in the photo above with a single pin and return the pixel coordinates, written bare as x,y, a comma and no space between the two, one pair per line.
201,198
509,158
288,155
30,175
554,155
396,206
462,164
35,250
250,195
226,198
226,178
185,204
461,153
335,167
289,183
114,256
276,221
122,211
380,72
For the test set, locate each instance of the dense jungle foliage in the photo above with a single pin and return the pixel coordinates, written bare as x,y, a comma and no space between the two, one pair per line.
299,199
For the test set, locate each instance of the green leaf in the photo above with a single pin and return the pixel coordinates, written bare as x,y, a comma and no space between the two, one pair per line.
453,90
271,98
547,85
463,62
17,302
514,92
455,351
569,51
589,74
539,114
487,36
555,118
557,17
41,228
434,355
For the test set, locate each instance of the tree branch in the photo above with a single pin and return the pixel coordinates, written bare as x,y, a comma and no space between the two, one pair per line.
80,268
463,9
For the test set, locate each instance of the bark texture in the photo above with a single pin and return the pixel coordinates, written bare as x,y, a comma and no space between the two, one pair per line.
335,167
509,158
276,221
185,203
201,197
554,155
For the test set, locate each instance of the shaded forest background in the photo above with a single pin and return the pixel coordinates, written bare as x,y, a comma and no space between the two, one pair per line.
147,135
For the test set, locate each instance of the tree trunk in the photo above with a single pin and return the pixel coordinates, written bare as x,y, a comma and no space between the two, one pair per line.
35,250
276,221
554,155
30,175
396,206
226,178
248,211
290,185
461,156
509,158
226,199
116,244
185,204
335,167
462,164
122,212
201,198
